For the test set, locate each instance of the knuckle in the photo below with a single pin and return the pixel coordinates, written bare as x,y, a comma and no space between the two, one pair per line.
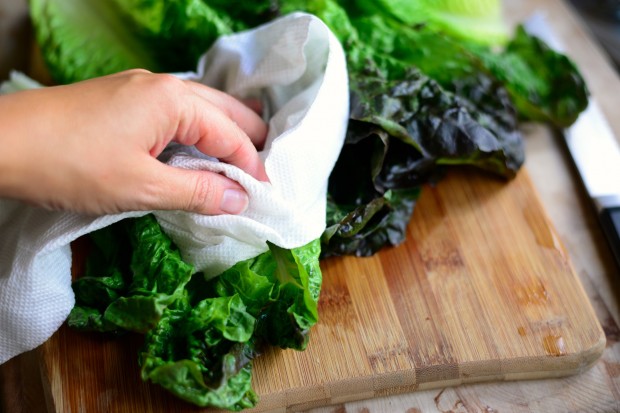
166,82
160,84
166,89
137,71
135,76
203,195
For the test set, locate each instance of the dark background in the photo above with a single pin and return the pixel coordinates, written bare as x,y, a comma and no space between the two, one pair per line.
603,19
14,36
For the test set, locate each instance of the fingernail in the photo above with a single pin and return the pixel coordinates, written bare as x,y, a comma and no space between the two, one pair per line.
234,201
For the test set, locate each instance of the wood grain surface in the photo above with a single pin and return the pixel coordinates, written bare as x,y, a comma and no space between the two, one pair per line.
481,290
596,389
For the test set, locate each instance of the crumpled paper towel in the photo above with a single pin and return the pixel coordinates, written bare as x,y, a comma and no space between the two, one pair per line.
297,67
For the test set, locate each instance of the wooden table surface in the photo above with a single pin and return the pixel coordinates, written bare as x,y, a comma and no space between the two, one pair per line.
595,390
551,170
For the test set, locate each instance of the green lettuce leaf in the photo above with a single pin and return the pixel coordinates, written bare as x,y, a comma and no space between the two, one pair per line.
128,291
478,21
200,335
82,39
199,354
281,288
423,99
176,32
545,85
202,348
400,134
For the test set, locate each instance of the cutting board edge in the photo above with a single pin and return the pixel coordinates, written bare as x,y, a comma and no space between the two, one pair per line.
598,345
268,404
366,387
396,382
265,406
552,367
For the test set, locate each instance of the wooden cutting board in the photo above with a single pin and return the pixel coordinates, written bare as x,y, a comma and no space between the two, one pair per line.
482,290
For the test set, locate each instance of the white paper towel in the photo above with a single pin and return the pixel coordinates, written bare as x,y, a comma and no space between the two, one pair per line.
297,67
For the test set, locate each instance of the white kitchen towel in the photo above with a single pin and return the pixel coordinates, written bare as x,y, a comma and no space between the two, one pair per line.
297,67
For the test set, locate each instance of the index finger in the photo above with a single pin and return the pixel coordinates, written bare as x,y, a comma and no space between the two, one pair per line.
214,133
243,115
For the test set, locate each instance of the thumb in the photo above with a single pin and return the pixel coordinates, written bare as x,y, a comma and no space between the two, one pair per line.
203,192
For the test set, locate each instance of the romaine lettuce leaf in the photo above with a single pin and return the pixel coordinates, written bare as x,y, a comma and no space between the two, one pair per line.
82,39
400,134
176,32
200,335
132,275
477,21
423,99
545,86
200,353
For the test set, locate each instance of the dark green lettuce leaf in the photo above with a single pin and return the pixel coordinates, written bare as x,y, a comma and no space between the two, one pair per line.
200,354
369,227
422,100
400,133
200,335
177,32
203,346
128,291
103,282
281,288
439,125
545,85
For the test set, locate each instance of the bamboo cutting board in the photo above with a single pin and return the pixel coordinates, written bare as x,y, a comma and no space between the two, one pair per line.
482,290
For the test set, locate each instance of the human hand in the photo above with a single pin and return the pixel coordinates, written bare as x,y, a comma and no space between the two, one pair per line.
91,147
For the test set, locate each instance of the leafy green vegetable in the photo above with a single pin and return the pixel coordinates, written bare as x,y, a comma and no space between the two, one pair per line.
399,134
176,32
201,335
544,85
122,291
477,21
423,99
282,289
199,354
427,92
81,39
419,101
